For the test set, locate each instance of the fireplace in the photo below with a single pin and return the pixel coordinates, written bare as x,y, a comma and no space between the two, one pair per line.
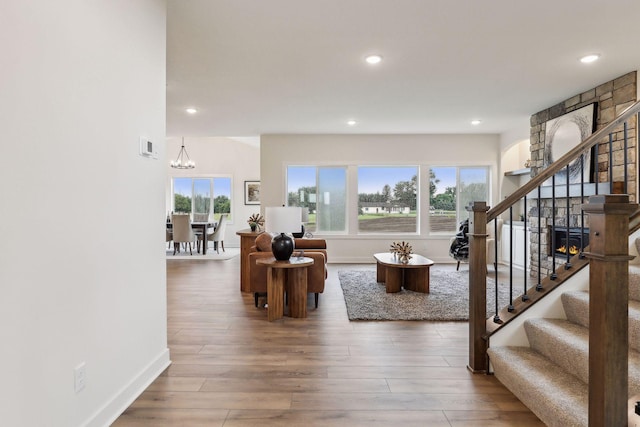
573,246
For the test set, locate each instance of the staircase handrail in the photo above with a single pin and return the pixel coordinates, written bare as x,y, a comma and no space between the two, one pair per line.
562,162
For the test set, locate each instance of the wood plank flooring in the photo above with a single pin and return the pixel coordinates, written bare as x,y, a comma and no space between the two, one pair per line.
232,368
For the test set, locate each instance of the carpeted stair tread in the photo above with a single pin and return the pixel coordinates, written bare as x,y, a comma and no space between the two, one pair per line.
634,325
634,282
576,307
564,343
558,398
567,345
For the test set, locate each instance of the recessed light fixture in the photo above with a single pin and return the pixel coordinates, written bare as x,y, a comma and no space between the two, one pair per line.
588,59
476,122
191,110
373,59
352,123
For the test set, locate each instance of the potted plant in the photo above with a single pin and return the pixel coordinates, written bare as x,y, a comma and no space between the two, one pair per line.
255,221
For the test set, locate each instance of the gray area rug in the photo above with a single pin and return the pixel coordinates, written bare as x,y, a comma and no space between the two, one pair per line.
448,298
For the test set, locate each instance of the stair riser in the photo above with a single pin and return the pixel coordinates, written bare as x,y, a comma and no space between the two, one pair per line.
576,307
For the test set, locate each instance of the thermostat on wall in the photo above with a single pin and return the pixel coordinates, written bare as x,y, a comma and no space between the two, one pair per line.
146,148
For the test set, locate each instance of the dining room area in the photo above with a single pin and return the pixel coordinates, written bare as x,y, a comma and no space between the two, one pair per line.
197,236
205,200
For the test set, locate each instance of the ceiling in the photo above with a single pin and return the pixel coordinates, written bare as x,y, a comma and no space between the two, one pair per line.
253,67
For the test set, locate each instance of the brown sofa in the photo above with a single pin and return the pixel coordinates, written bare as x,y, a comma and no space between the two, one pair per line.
316,274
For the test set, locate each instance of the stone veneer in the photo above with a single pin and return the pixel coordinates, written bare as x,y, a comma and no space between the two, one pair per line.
612,98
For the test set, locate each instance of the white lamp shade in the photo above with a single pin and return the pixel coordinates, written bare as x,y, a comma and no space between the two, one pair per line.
282,219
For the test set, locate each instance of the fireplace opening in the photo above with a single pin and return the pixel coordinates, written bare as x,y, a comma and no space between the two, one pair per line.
558,240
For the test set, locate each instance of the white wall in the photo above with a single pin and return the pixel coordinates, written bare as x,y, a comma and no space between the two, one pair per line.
82,271
277,151
220,157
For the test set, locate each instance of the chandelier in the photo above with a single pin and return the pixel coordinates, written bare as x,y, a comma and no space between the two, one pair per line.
180,162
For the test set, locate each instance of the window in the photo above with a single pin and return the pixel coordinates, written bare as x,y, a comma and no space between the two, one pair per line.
324,191
451,189
387,199
202,195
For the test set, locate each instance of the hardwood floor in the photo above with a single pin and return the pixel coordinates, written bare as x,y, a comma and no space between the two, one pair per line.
233,368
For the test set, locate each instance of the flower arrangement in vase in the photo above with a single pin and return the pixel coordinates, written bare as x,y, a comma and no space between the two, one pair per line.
255,221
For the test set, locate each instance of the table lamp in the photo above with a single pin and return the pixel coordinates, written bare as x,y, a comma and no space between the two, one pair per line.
282,220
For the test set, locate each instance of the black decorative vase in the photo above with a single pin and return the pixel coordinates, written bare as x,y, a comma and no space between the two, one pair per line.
253,228
282,247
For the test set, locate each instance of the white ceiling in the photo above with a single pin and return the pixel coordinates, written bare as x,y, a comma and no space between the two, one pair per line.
255,67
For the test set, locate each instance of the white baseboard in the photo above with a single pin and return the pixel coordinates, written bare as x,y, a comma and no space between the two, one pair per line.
111,410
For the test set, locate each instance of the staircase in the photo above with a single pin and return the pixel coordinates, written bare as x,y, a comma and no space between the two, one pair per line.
541,346
551,376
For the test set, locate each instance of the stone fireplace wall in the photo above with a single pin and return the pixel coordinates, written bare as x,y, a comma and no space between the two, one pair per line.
612,98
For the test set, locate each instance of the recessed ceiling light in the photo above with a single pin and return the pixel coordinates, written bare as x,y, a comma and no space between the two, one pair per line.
588,59
191,110
373,59
476,122
352,122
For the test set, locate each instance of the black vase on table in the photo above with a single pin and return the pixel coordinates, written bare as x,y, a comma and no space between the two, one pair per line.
282,247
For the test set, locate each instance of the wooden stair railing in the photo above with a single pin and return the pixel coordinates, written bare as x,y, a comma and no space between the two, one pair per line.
610,217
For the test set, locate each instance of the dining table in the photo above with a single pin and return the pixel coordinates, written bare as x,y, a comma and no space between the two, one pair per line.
201,226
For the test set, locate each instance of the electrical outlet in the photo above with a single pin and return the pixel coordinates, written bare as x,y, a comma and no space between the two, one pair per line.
80,377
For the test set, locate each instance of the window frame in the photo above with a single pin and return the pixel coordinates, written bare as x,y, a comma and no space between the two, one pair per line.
416,168
345,169
212,188
460,216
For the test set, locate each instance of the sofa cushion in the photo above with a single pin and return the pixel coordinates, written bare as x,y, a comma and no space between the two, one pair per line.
263,242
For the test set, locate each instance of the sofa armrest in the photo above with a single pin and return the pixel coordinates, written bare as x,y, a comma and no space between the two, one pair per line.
310,244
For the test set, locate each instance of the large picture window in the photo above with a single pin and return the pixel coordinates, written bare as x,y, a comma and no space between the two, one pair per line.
210,195
451,189
323,190
387,199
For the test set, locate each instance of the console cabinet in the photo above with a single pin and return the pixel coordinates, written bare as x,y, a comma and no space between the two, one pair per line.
520,239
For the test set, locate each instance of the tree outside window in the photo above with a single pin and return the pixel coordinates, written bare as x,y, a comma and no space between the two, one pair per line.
387,199
451,191
323,191
194,195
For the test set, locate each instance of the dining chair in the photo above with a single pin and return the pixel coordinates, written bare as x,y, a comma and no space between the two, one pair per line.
169,237
217,236
182,232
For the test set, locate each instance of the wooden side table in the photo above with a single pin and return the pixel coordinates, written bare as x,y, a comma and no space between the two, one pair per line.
247,239
294,272
412,275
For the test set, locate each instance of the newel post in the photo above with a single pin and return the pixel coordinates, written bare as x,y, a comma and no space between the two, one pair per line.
477,286
608,308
